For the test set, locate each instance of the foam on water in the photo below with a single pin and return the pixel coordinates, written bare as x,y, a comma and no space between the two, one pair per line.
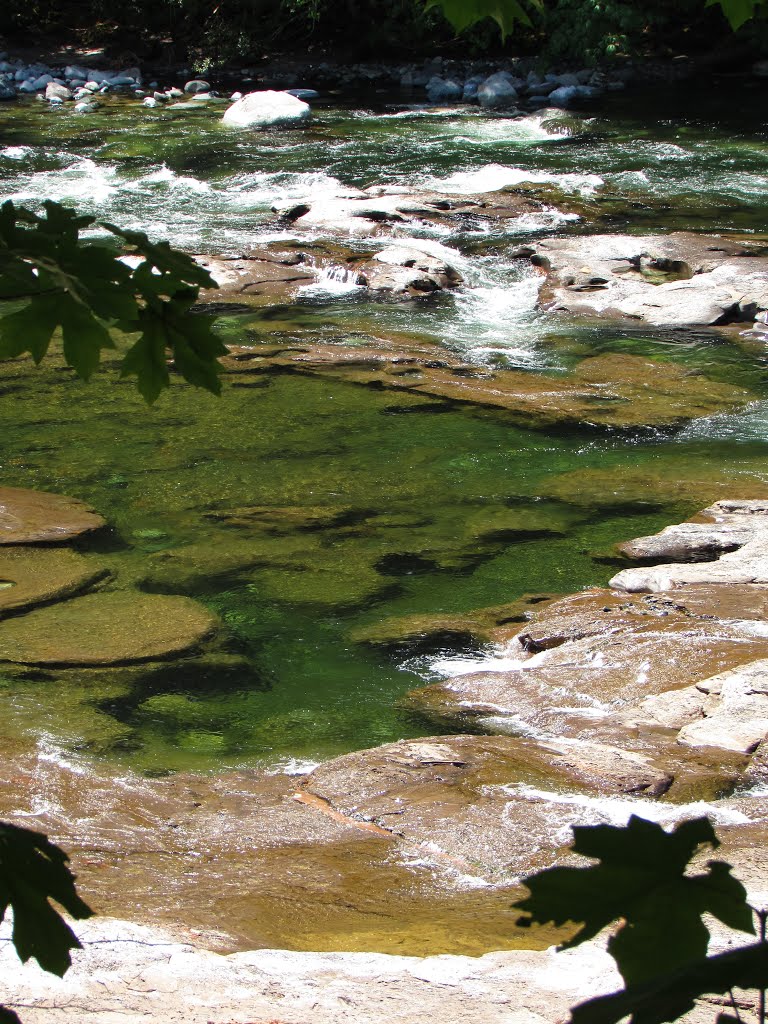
749,425
483,131
88,182
493,177
618,810
16,152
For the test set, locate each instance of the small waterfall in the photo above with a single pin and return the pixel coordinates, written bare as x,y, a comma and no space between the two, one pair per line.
337,274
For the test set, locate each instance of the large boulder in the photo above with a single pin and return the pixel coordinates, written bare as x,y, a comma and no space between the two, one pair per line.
38,517
673,280
266,110
441,90
497,91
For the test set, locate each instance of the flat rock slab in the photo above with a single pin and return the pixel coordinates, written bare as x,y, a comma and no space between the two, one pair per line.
735,531
106,629
33,575
674,280
131,974
38,517
610,390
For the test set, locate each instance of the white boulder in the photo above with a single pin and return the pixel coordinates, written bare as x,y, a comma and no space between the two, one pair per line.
265,109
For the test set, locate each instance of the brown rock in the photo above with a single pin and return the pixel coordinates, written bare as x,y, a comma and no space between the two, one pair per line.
611,390
31,576
105,629
38,517
597,655
481,624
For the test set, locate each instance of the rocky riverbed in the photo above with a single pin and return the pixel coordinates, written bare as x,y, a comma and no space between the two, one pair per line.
646,698
392,417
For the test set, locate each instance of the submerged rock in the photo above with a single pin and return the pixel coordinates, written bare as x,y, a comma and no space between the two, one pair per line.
31,576
267,109
609,390
483,624
106,628
38,517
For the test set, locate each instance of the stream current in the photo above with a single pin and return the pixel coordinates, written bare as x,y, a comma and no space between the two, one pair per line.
297,687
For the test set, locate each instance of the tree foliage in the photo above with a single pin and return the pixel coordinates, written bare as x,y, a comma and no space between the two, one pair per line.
53,280
643,883
464,13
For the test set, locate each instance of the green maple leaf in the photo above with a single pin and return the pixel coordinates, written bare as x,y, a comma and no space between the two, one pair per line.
737,11
33,871
464,13
172,265
641,881
83,288
31,329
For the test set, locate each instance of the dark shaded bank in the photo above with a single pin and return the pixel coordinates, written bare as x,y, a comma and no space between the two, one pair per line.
252,30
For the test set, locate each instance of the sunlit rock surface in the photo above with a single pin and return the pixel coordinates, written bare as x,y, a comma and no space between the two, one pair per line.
106,628
37,575
37,517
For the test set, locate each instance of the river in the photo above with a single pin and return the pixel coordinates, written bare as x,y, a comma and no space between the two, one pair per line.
403,477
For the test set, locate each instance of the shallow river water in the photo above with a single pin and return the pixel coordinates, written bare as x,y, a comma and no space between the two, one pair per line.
409,478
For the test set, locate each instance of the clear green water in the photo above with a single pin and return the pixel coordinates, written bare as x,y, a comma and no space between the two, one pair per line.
414,482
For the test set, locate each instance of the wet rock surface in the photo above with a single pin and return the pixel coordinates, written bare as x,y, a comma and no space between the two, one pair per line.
610,390
106,628
671,280
382,210
38,517
30,576
674,653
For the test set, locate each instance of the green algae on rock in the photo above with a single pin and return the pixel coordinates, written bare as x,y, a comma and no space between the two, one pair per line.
106,628
657,485
613,390
39,517
36,575
482,624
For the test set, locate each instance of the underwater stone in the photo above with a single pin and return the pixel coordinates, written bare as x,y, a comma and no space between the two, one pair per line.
38,575
33,517
106,628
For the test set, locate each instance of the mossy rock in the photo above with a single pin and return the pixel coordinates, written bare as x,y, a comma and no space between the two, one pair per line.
104,629
481,624
38,517
623,487
328,580
225,554
611,390
283,519
30,576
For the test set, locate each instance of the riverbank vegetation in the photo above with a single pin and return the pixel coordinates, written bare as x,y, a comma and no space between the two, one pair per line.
567,30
